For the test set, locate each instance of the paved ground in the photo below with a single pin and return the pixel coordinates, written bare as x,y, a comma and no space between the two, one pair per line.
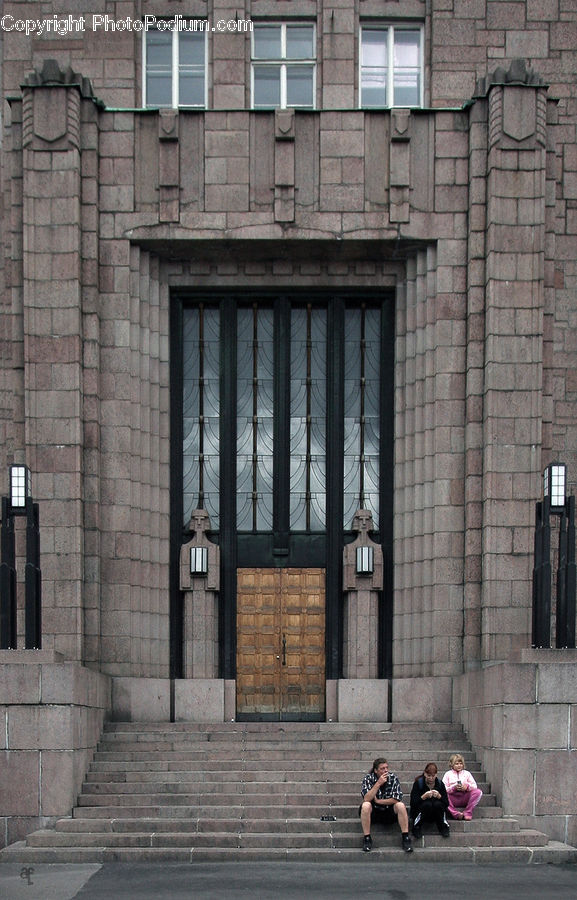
289,881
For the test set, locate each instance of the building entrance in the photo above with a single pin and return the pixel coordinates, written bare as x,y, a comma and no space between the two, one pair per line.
282,428
280,661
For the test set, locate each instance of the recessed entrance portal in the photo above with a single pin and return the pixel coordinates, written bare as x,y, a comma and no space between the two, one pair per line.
282,427
280,663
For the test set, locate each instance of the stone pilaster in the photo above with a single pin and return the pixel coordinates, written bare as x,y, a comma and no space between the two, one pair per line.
53,342
200,603
513,369
361,627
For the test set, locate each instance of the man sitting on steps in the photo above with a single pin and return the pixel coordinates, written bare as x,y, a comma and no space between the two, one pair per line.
383,802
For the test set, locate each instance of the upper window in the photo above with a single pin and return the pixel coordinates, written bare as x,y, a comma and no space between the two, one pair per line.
283,65
391,66
175,67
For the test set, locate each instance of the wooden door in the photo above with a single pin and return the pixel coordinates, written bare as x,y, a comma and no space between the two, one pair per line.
280,671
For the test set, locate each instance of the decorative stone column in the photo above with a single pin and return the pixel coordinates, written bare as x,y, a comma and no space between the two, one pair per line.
361,624
515,245
361,695
200,602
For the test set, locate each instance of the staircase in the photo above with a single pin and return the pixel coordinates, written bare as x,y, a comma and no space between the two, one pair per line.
266,791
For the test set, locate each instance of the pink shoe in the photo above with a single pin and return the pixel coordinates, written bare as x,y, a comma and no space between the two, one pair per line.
466,817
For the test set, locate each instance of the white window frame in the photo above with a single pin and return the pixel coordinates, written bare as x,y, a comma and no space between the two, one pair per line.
284,63
389,28
175,104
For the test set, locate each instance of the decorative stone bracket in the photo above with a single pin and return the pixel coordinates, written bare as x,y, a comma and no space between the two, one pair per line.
200,603
361,604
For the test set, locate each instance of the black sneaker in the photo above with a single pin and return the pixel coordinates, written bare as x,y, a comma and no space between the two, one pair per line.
367,843
417,832
444,829
406,843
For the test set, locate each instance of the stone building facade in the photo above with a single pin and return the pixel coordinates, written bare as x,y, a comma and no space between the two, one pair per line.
161,262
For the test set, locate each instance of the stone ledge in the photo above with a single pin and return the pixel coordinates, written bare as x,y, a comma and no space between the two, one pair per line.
36,657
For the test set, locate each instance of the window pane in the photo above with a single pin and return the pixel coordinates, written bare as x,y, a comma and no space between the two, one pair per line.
158,68
159,49
159,90
299,85
374,90
407,68
300,42
267,42
266,86
374,67
191,87
191,49
374,48
406,49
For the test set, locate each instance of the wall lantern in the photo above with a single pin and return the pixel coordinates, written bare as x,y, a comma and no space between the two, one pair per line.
199,561
20,487
365,560
554,486
19,502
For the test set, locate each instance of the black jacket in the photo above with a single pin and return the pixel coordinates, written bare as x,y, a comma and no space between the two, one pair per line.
419,788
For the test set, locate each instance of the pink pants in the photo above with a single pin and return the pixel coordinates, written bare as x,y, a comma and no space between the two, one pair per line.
464,801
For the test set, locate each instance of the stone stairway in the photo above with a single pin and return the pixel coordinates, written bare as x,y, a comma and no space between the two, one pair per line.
265,791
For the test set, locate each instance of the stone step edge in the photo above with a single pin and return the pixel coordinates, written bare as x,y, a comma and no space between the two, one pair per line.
553,853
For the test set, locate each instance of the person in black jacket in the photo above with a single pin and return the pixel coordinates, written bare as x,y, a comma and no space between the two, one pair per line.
429,802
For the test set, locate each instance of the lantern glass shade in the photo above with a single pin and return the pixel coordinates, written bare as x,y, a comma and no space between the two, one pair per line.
20,486
365,560
554,485
198,561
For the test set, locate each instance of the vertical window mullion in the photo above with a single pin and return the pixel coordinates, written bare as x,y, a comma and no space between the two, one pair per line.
308,420
391,66
201,406
175,69
254,416
362,386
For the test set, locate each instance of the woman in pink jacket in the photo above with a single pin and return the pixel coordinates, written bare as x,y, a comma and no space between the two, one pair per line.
462,789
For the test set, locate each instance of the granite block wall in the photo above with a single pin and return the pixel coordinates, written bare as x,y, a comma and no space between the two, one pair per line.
51,716
520,717
465,209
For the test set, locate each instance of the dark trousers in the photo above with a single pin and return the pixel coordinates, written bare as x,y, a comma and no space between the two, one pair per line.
430,811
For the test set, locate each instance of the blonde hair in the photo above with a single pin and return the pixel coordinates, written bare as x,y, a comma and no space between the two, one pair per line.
456,757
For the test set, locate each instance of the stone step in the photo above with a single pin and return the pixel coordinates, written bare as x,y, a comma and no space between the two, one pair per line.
232,812
213,767
286,840
352,754
307,748
244,781
282,729
286,804
264,791
260,826
157,773
249,794
553,853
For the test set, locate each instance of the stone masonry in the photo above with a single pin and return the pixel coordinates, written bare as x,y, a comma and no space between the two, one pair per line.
465,210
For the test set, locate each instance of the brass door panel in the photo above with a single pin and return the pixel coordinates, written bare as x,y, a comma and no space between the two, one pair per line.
281,643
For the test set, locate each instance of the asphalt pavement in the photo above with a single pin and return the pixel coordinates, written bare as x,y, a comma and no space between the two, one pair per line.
270,881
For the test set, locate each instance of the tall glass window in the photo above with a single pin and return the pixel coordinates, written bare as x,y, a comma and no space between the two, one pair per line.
390,66
254,424
201,411
279,404
362,413
283,68
308,419
175,66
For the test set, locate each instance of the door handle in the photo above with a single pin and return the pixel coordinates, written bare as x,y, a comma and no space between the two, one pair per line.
284,649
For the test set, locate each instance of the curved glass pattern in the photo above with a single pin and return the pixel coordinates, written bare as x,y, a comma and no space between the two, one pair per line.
279,397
